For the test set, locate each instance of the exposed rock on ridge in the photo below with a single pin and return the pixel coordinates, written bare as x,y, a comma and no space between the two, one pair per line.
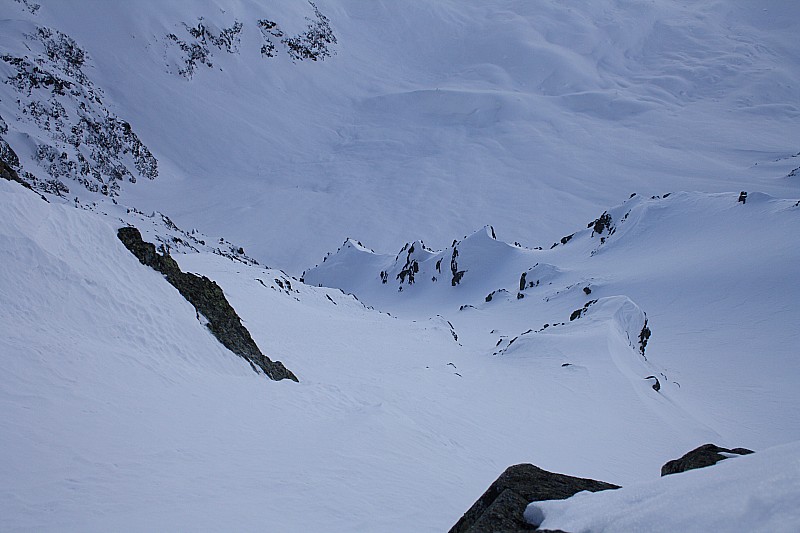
209,300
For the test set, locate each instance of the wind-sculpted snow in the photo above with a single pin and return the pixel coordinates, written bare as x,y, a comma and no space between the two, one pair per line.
619,316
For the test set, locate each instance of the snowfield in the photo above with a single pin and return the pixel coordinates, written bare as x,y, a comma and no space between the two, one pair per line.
596,211
121,411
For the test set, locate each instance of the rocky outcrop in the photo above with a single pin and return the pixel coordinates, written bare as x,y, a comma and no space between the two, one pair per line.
202,38
30,5
576,314
198,43
315,42
409,269
209,301
644,337
601,224
705,455
77,136
7,171
502,506
457,274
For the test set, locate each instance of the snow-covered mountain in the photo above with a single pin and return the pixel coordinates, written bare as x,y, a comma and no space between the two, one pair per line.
424,120
596,324
642,268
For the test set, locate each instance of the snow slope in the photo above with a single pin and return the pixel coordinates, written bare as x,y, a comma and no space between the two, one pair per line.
431,118
120,411
713,275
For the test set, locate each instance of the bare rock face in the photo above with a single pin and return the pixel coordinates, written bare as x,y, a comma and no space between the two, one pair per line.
502,506
209,300
705,455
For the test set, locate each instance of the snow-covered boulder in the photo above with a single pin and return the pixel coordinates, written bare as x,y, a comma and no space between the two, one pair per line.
701,457
501,507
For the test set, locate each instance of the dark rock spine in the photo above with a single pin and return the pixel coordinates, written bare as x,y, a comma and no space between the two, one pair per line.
209,300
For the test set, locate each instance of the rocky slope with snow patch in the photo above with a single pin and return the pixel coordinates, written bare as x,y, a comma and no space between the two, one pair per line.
63,130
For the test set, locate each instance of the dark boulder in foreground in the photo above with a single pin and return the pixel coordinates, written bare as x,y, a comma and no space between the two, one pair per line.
209,300
502,506
705,455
